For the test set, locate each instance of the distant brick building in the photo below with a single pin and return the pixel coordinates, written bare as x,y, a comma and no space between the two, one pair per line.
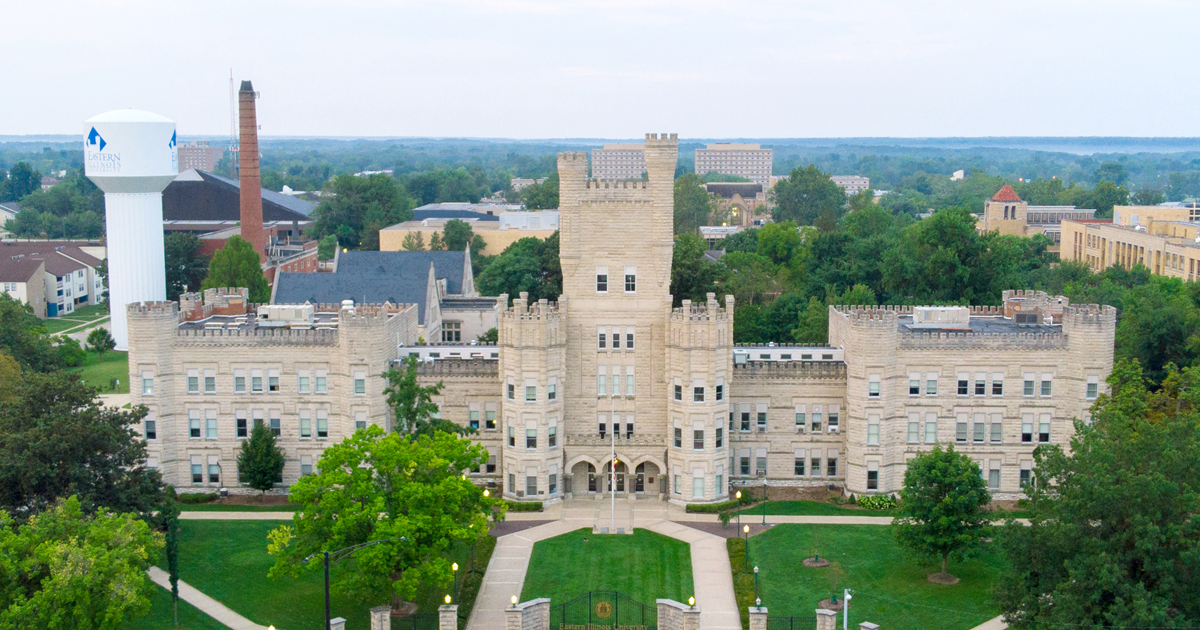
743,160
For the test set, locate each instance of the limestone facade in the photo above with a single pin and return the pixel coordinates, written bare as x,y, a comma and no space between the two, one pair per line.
1165,239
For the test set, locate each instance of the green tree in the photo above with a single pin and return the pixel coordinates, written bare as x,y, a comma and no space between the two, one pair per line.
490,335
68,352
172,553
186,266
813,325
327,247
21,336
100,340
412,403
750,278
805,195
414,242
692,275
1148,197
375,486
782,243
435,243
457,235
1159,325
64,569
260,462
543,196
10,378
530,265
22,180
237,265
1114,536
713,176
693,204
744,241
942,506
359,207
58,440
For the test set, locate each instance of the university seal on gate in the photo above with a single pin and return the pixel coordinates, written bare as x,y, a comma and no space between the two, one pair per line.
604,610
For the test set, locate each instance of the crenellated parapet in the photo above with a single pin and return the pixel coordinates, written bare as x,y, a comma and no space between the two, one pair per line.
1089,315
790,370
459,368
256,336
983,341
706,325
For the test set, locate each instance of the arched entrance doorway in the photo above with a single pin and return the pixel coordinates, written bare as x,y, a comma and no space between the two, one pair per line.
622,473
645,478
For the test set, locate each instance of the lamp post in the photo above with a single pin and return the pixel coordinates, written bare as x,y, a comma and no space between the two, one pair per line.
454,568
756,581
746,553
846,609
764,476
345,552
739,508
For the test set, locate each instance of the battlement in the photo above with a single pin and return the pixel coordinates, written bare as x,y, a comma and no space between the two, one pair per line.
574,156
1089,315
459,368
257,336
367,314
662,138
522,310
983,341
790,370
152,309
709,311
872,314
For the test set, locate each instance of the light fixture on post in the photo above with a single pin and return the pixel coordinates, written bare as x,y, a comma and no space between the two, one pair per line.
756,581
746,547
447,600
454,568
739,508
514,601
692,601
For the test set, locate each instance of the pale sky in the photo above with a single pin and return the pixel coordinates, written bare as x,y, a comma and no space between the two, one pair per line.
612,68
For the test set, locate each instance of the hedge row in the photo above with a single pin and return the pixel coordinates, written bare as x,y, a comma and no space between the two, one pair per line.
524,506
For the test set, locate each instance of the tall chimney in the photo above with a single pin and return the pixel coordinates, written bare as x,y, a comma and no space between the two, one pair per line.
248,175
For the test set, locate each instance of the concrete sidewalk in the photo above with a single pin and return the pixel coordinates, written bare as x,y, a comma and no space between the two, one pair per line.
781,519
203,603
235,516
506,572
992,624
711,577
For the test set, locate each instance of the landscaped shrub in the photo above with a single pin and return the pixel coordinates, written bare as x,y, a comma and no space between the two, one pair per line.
713,508
524,506
743,580
192,498
877,502
474,578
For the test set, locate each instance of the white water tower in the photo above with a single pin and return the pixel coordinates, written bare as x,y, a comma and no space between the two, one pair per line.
130,155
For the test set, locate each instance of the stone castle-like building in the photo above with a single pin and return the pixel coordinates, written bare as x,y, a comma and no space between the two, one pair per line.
613,368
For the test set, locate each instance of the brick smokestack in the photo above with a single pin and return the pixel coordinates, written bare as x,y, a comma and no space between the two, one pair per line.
248,175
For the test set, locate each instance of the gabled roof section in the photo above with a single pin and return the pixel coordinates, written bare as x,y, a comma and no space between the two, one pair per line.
374,278
1006,193
202,196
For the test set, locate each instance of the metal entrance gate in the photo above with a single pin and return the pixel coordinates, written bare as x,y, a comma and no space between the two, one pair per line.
599,610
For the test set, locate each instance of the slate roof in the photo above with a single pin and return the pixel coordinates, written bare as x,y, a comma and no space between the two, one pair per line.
373,278
1006,193
62,257
747,190
201,196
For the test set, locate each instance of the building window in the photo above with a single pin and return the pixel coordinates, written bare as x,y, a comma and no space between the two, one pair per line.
491,463
1044,429
1093,388
762,419
872,476
996,429
552,436
678,437
873,430
873,386
151,429
931,385
320,380
530,438
1026,473
931,428
629,380
512,392
698,439
322,424
745,423
630,279
602,381
197,471
210,381
276,424
552,390
678,390
997,386
720,391
601,340
964,385
302,383
801,418
489,416
530,485
553,486
214,471
451,332
305,465
629,341
720,436
147,383
473,415
273,381
914,428
980,386
360,383
305,424
1027,428
831,466
834,419
960,429
799,466
360,420
193,423
914,386
1028,390
531,393
1047,386
994,477
210,424
256,381
698,483
818,420
760,462
698,394
193,381
601,279
977,433
744,464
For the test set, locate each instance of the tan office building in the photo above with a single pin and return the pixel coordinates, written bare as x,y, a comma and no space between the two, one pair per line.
619,161
1166,239
744,160
1007,213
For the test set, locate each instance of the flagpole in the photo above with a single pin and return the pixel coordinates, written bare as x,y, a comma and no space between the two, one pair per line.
612,462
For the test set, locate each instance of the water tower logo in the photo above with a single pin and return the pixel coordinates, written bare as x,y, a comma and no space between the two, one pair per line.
99,161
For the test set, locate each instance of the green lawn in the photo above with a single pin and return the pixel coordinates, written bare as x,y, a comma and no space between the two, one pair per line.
644,566
810,508
228,561
84,315
161,616
890,587
98,371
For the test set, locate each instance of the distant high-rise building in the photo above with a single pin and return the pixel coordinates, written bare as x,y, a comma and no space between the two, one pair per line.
619,161
200,156
852,184
743,160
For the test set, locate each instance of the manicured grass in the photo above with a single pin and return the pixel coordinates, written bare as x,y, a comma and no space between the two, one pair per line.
810,508
162,617
228,561
644,566
84,315
889,586
98,371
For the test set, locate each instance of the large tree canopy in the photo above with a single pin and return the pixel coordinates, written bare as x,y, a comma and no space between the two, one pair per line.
375,486
530,264
359,207
1114,534
186,266
237,265
807,194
